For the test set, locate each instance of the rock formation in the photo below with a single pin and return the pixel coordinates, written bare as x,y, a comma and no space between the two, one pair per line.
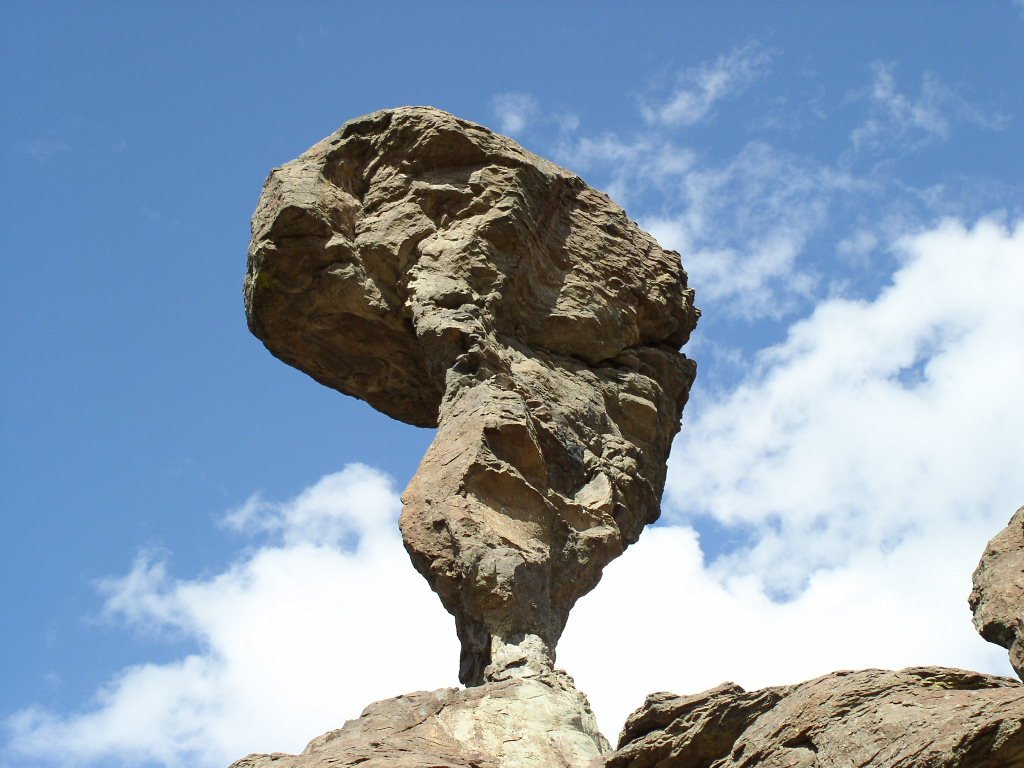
922,716
539,721
997,599
449,277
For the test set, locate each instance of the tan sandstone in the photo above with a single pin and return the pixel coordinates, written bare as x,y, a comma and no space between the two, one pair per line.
449,277
922,717
540,722
997,599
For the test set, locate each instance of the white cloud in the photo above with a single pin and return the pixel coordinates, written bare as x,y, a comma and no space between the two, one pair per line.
661,620
699,88
867,458
632,166
743,227
894,118
746,224
294,638
872,416
514,112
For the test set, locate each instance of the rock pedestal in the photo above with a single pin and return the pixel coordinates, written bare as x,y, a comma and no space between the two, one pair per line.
541,722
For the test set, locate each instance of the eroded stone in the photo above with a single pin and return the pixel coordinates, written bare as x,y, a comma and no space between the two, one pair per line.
540,722
997,598
449,277
921,716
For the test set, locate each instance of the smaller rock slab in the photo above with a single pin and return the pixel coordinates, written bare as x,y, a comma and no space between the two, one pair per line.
921,716
540,722
998,595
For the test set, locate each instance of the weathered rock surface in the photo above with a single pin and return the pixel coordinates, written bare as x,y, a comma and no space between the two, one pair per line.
998,595
915,718
541,722
449,277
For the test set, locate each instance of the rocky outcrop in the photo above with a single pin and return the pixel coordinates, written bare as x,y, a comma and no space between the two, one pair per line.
997,599
449,277
540,722
922,716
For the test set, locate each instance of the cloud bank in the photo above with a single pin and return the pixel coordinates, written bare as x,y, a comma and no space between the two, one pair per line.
863,462
861,466
296,637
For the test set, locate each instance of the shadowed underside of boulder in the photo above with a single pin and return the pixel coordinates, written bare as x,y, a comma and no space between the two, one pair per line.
448,277
997,598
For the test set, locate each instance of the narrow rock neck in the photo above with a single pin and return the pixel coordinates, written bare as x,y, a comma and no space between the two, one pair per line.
492,658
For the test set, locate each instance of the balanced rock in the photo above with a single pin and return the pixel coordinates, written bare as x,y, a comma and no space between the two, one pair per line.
538,722
922,716
450,278
997,599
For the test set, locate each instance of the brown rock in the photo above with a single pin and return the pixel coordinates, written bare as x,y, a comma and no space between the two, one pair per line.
540,722
915,718
449,277
998,595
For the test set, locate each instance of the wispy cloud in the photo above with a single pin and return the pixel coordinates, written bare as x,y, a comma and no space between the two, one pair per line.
875,442
44,150
873,420
298,635
864,461
742,225
698,88
747,224
898,119
514,112
630,167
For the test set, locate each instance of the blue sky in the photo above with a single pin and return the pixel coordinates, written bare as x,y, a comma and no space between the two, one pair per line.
181,512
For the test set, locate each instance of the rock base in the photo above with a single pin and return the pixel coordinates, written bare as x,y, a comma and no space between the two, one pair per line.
537,722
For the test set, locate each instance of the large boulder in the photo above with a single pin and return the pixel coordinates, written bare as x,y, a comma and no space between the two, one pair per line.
540,722
450,278
997,599
915,718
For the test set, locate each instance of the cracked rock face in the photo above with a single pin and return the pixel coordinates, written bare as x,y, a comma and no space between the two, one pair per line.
921,716
450,278
997,599
541,722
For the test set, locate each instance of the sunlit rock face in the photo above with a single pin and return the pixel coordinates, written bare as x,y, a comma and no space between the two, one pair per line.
997,599
921,716
450,278
535,722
